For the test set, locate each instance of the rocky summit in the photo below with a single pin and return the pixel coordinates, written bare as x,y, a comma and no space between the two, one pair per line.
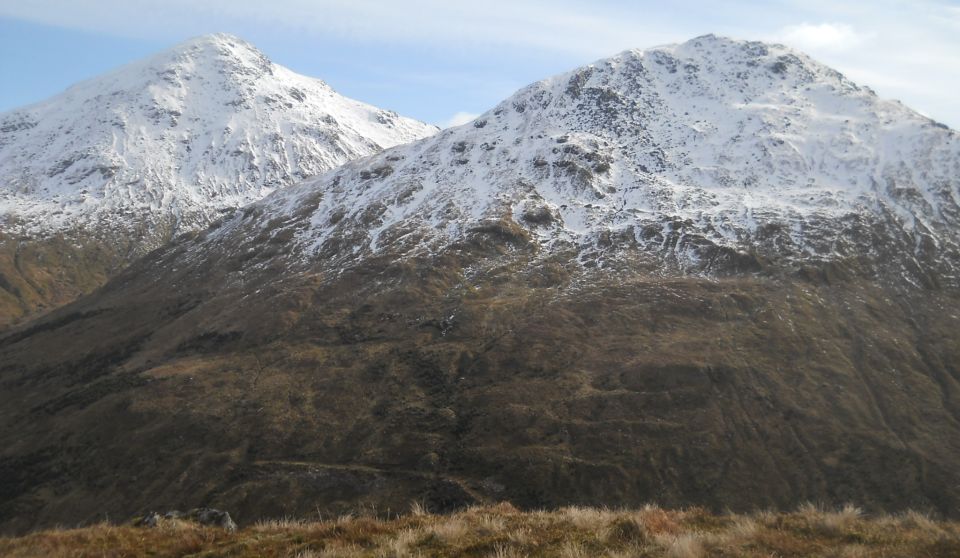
115,166
716,273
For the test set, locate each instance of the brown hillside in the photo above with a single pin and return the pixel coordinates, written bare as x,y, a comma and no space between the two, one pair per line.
522,382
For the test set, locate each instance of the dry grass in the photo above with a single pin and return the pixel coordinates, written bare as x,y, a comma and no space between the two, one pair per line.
501,531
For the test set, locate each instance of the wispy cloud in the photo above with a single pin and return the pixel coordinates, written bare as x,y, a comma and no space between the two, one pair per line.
835,36
905,50
910,47
544,24
458,119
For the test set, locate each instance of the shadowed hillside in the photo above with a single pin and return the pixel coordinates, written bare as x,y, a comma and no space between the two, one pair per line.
514,384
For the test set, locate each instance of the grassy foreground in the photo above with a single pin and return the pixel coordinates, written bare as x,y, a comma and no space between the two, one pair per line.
501,531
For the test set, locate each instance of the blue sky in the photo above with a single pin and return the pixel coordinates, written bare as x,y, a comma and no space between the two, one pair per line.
444,60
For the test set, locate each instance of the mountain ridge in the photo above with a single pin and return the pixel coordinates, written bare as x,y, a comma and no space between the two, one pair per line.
514,310
775,177
209,122
117,165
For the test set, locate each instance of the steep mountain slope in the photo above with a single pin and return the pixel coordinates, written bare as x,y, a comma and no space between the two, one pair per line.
690,152
714,273
165,145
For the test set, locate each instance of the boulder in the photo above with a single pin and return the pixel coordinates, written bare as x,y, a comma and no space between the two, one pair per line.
214,517
203,516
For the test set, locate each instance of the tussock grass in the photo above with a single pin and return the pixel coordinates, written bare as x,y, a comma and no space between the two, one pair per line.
501,531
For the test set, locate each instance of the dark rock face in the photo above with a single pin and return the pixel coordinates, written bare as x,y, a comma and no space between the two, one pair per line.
215,518
150,519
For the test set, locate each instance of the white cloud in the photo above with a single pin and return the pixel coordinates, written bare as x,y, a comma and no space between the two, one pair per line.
555,25
458,119
905,48
824,36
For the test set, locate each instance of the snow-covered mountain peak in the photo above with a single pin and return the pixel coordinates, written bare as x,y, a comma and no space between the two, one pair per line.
222,46
713,146
217,62
719,72
174,139
218,52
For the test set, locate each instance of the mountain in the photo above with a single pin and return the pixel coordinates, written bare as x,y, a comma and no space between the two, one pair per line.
124,161
715,273
705,155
